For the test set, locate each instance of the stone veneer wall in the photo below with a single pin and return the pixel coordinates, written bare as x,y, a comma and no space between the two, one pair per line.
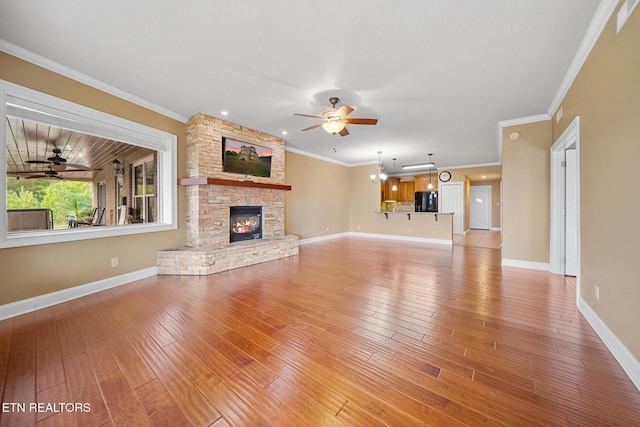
208,249
208,205
204,149
208,219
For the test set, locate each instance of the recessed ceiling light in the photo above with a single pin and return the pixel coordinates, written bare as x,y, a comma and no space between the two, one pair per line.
284,132
484,176
224,113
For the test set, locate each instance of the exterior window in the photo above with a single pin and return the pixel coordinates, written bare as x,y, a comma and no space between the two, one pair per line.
70,168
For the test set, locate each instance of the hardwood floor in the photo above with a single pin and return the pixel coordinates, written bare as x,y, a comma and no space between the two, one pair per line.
353,331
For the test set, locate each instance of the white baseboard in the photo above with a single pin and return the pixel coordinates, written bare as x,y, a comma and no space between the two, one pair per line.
629,364
321,238
41,301
529,265
405,238
495,229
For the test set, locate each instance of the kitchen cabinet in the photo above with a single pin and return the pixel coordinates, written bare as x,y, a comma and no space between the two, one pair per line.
406,191
386,189
422,181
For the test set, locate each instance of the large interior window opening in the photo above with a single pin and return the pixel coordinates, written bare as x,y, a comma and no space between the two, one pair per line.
70,169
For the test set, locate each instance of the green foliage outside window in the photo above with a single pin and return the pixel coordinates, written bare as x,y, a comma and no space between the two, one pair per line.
65,198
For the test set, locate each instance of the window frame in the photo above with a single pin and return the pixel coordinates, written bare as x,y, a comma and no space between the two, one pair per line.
85,119
142,162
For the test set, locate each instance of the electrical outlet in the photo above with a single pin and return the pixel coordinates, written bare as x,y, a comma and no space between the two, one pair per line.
114,262
597,292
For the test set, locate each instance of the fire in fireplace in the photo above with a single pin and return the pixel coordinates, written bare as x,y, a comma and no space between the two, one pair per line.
245,223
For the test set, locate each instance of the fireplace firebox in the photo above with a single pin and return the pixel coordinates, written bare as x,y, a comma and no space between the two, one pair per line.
245,223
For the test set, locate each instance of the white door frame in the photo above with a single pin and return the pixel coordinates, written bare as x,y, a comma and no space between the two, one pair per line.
569,137
453,184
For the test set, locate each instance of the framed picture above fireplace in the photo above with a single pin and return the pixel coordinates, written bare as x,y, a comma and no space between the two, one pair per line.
245,158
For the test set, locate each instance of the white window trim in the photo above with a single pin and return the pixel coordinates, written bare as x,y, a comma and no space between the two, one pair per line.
100,124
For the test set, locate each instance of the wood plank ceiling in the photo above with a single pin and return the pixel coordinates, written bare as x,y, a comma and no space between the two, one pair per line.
85,154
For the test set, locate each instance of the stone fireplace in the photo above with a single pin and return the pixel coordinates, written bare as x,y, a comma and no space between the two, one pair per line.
211,194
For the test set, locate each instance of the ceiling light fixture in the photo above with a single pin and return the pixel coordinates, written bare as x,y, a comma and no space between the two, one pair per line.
430,185
333,126
224,113
419,165
380,177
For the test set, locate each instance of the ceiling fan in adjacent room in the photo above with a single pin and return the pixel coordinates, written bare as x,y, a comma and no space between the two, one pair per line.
57,162
49,174
335,119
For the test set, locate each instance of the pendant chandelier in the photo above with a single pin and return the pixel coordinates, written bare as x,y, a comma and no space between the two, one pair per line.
381,176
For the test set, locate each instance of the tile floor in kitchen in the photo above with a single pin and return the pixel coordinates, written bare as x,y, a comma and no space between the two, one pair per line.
479,238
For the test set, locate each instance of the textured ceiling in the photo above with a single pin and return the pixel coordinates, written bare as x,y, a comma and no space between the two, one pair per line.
438,75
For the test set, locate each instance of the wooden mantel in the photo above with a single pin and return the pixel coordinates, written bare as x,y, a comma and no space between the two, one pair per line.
230,182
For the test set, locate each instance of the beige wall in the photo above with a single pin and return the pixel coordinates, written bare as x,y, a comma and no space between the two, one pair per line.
606,96
318,203
525,192
36,270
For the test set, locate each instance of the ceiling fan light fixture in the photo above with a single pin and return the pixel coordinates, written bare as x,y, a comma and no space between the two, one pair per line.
334,126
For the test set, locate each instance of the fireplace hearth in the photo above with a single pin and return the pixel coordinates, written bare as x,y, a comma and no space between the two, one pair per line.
245,223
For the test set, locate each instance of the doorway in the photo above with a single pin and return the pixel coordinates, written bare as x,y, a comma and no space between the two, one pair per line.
452,201
564,253
480,207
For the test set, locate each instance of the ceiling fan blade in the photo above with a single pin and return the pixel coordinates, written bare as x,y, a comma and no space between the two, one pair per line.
38,162
307,115
361,121
43,177
313,127
343,132
344,111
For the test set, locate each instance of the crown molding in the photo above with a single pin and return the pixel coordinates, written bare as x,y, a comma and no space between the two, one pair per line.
475,165
315,156
599,21
55,67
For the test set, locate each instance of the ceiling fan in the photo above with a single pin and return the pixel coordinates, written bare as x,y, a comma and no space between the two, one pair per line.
57,162
336,120
50,174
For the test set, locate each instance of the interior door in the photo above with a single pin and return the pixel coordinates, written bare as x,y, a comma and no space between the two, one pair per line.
452,201
480,207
